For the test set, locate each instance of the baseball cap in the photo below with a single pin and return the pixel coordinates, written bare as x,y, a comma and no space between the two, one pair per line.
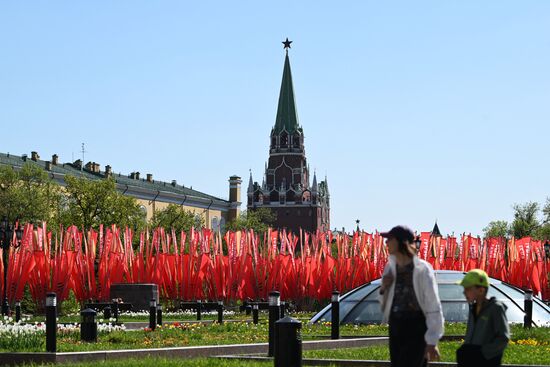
400,233
475,277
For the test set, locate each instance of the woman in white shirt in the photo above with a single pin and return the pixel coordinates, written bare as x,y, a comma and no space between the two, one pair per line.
410,302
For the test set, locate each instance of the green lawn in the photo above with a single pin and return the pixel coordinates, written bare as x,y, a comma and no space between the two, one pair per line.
174,335
514,354
528,346
160,362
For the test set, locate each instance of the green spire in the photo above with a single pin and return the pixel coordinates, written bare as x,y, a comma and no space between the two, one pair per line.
287,118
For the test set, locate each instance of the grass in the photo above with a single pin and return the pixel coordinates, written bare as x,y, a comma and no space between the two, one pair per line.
170,316
528,346
514,353
145,318
175,335
162,362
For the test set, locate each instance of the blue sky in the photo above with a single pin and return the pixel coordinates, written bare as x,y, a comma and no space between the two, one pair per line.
414,110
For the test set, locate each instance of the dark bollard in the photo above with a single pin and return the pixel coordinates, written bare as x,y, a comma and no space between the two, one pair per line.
528,308
247,309
255,314
282,309
199,310
17,311
153,314
51,323
159,315
274,313
88,326
335,316
107,313
288,343
115,311
220,312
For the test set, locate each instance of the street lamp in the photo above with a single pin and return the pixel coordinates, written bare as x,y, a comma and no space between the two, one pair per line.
357,221
417,243
6,236
547,249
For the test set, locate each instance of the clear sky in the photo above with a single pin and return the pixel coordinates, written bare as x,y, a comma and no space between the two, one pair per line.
415,110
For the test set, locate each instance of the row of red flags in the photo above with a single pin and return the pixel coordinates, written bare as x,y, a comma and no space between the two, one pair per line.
200,264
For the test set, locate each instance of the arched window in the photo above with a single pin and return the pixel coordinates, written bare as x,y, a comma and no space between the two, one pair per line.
284,139
296,140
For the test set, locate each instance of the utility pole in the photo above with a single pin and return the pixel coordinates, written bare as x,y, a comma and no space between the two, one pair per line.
83,151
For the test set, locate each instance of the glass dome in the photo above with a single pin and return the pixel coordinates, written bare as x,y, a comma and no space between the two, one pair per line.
360,305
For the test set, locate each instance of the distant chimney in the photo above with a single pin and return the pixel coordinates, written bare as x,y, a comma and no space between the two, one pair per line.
149,177
134,175
48,166
108,171
92,167
137,176
55,159
35,156
24,157
174,183
77,163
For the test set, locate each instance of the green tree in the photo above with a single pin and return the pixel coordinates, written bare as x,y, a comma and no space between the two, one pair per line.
259,220
176,217
525,220
28,194
546,212
543,233
90,203
497,228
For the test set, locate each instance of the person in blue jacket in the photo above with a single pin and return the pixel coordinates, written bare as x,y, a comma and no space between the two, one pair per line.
410,302
487,332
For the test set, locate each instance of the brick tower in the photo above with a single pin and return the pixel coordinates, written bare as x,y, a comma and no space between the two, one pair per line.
286,188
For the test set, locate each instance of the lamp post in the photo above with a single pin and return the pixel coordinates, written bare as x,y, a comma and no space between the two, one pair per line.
417,243
357,222
6,233
547,249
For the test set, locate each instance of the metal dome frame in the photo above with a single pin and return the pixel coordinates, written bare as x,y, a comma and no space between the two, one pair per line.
360,305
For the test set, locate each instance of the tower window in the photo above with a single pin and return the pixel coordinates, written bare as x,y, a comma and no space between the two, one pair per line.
284,139
296,141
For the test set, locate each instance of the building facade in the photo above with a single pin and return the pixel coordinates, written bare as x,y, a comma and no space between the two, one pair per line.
286,188
151,194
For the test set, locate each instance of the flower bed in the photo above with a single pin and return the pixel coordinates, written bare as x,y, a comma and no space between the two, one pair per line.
527,346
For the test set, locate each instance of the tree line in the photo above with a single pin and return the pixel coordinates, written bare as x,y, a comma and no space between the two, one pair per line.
29,195
531,219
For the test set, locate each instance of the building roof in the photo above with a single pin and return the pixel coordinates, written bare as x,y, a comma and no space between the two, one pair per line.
131,184
287,117
436,232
